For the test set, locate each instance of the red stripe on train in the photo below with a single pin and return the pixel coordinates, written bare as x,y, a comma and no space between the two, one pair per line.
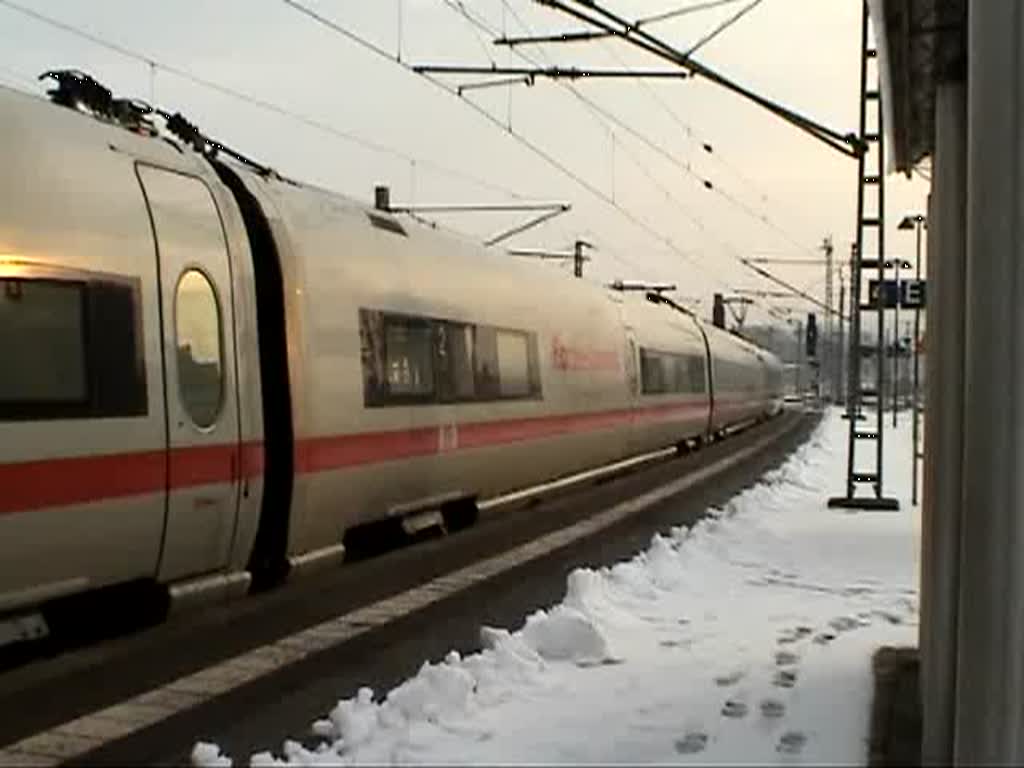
58,482
318,454
75,480
80,479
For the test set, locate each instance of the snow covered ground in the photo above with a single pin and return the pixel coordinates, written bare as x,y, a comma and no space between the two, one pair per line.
744,639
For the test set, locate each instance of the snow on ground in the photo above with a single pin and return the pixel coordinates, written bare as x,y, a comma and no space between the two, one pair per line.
746,638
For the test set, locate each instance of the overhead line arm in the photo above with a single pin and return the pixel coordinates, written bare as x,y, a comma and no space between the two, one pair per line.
847,144
555,73
722,27
789,286
587,35
564,37
682,11
534,222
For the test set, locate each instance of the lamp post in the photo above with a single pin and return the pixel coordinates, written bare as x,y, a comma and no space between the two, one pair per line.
917,222
897,263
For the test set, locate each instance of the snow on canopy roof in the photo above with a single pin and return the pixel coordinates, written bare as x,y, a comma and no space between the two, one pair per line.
920,43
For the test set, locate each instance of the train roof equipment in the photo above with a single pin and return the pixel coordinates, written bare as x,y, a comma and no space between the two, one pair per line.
79,91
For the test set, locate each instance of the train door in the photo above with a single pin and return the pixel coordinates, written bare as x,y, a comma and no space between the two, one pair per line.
199,374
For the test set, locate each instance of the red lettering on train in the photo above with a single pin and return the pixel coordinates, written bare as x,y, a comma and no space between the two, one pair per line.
566,358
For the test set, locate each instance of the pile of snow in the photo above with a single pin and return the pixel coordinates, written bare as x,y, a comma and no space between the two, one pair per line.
746,638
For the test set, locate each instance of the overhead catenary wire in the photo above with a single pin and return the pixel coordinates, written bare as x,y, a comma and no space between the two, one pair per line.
689,130
324,127
666,15
611,117
458,6
847,144
633,218
721,28
789,286
544,155
593,35
479,23
483,24
704,145
154,63
269,106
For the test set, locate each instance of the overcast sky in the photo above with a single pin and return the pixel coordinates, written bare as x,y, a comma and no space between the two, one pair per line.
777,191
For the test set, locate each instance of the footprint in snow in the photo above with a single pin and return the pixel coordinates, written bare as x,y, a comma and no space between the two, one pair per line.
793,635
734,708
608,661
729,678
892,618
772,708
824,638
844,623
693,742
785,678
856,589
675,643
786,658
791,743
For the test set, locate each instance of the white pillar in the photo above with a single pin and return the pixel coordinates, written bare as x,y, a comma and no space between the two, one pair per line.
990,649
943,419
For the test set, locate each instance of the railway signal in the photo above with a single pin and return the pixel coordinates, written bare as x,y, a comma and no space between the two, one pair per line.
812,335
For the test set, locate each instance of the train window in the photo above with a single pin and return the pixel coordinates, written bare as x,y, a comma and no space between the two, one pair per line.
631,372
371,336
695,367
408,359
533,365
681,379
513,364
652,374
460,360
71,349
488,383
731,376
198,339
42,342
117,363
725,382
454,361
410,356
667,372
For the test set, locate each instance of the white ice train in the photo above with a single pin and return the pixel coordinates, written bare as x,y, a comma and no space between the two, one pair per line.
209,374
